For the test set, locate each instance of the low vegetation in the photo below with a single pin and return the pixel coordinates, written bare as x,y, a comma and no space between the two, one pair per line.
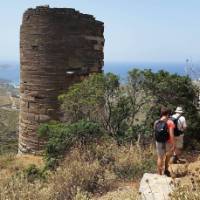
8,131
189,186
187,192
85,172
8,121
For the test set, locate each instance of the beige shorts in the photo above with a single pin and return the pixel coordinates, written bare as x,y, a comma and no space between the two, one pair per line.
163,148
179,141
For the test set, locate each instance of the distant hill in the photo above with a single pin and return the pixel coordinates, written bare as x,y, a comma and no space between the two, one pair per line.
9,72
4,81
8,131
8,118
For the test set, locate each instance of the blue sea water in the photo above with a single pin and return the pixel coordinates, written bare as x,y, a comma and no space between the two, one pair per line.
122,69
11,73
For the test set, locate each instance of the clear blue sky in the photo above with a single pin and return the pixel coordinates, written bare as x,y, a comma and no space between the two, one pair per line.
135,30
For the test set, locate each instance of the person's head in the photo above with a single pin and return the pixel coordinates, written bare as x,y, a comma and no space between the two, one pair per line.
165,112
179,110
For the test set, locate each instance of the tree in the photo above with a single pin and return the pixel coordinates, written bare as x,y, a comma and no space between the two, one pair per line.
139,96
101,98
171,90
98,98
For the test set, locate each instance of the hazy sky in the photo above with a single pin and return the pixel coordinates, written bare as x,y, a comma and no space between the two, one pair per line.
135,30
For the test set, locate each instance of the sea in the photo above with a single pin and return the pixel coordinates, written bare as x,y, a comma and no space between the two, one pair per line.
11,72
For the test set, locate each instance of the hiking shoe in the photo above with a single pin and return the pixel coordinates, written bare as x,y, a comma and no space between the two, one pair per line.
167,173
175,159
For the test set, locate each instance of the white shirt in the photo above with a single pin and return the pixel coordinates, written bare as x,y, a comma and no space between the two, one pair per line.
182,125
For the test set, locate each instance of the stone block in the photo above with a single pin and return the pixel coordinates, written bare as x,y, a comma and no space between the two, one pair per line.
155,187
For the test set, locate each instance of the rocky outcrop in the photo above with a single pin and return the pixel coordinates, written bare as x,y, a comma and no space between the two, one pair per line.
58,46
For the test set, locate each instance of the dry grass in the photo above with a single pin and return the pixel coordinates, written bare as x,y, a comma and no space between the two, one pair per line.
124,193
10,164
73,179
133,162
4,100
83,174
19,188
188,187
8,131
25,160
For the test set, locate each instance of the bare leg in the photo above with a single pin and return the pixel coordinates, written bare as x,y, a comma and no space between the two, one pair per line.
160,162
179,146
167,159
178,152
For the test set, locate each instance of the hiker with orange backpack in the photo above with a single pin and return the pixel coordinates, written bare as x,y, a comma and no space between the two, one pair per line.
180,127
164,136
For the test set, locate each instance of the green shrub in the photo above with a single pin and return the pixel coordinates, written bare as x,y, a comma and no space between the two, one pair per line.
61,137
33,172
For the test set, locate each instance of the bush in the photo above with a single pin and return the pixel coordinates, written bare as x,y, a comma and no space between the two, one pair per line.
132,164
62,137
33,172
123,162
76,174
120,109
100,99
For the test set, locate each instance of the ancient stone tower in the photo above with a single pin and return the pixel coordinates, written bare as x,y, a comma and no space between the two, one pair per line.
58,46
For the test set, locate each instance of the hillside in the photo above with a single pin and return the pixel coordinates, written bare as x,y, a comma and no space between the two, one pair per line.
8,118
8,130
86,158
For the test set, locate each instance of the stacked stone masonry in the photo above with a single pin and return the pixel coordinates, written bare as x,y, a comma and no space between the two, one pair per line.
58,46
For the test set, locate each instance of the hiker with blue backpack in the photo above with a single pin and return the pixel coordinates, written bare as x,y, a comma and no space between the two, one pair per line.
165,143
180,127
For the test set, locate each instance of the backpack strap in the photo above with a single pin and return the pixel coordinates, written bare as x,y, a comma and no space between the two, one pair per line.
179,121
179,117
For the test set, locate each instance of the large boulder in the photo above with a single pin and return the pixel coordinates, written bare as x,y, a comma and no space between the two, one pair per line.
155,187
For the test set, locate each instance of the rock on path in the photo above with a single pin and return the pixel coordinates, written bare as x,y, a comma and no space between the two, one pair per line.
155,187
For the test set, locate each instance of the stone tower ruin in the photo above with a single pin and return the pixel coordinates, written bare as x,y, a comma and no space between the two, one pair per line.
58,46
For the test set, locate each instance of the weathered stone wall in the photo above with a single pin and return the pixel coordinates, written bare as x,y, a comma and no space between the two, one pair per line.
58,46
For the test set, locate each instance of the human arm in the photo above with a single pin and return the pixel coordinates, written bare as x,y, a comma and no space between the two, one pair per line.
171,126
183,124
171,134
